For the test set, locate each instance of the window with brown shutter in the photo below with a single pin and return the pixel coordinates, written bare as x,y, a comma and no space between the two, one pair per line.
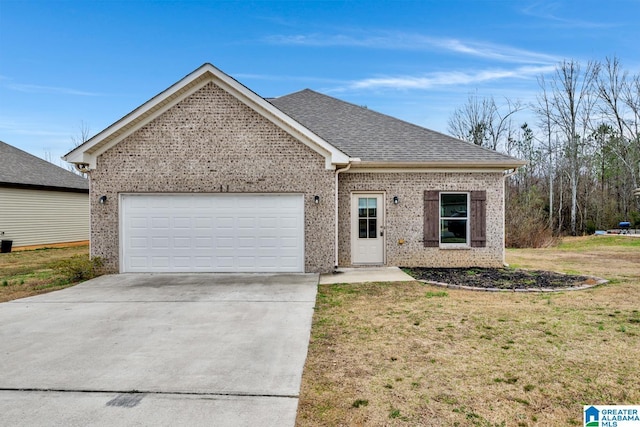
478,219
431,219
445,219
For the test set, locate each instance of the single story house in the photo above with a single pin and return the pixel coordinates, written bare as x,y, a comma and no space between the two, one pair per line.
210,177
40,203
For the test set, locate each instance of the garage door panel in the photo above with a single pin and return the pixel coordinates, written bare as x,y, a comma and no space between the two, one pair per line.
205,232
224,243
182,242
181,261
160,243
160,261
139,242
160,222
203,222
138,261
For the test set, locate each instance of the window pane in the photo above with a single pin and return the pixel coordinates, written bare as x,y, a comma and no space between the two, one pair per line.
362,207
373,205
362,228
373,228
453,231
453,205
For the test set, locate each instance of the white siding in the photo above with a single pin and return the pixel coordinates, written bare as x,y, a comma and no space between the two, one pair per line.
37,217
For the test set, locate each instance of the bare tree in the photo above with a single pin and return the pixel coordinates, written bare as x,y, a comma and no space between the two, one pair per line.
571,103
620,95
543,111
470,122
482,122
84,133
583,153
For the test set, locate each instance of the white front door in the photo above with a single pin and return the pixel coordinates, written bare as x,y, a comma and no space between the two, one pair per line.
367,228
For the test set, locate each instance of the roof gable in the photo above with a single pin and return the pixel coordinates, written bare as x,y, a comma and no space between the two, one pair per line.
381,140
87,153
21,169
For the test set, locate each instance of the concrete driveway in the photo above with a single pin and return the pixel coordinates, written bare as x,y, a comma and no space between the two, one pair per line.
152,349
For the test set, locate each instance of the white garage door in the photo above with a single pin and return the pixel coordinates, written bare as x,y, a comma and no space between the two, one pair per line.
212,233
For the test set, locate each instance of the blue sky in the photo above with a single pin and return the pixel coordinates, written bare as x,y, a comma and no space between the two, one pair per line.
64,63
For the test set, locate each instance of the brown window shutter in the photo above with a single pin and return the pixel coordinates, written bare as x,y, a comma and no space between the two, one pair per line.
431,219
478,219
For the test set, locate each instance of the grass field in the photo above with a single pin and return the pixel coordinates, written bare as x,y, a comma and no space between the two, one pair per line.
32,272
413,354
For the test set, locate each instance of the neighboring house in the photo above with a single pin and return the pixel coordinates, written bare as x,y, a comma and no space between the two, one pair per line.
209,176
40,203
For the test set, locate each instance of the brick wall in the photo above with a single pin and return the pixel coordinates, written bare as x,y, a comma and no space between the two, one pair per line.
210,142
405,220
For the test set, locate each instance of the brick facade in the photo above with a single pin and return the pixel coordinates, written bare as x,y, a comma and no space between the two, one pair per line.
210,142
404,221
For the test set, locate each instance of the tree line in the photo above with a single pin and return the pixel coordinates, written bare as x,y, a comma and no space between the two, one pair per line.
583,150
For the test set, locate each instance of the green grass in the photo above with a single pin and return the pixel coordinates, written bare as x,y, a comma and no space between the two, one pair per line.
32,272
583,244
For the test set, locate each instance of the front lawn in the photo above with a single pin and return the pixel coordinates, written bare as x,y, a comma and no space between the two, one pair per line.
415,354
32,272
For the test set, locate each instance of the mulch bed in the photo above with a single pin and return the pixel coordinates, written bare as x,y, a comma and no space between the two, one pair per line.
501,278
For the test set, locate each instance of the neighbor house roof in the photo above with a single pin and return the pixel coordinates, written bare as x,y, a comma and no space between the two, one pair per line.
381,140
21,169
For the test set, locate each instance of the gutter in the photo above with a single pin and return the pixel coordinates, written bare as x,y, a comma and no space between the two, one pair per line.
462,165
510,174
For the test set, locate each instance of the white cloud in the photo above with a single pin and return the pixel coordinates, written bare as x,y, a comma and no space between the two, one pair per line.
31,88
411,41
284,78
549,12
433,80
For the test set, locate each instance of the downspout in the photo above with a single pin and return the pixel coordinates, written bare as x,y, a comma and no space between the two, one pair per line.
335,238
504,213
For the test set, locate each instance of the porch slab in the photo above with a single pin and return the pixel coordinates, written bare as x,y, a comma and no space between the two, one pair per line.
365,274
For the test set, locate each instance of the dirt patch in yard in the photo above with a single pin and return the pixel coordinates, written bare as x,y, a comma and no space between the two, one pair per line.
501,278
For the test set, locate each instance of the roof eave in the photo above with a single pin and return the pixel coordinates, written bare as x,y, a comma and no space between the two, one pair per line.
471,165
25,186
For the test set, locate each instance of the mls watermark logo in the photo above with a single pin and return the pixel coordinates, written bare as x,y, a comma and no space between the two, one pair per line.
611,415
592,417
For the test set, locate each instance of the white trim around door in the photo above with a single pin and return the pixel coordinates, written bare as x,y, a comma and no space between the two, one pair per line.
367,228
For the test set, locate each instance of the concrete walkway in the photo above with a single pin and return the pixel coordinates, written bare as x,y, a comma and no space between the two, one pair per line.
143,349
366,274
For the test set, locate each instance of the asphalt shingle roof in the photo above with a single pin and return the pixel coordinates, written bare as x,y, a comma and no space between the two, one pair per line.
375,137
20,168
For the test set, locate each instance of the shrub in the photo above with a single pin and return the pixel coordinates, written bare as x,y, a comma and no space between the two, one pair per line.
526,221
79,268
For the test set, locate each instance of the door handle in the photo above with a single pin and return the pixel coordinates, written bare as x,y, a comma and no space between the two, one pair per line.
381,233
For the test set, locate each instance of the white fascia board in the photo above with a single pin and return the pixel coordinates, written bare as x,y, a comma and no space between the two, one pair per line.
430,169
436,166
88,152
422,170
